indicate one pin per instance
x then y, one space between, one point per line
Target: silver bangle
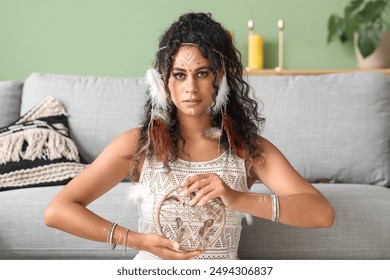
275 208
110 235
125 249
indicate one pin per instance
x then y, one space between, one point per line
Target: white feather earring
222 95
158 94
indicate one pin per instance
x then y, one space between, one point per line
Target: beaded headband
193 45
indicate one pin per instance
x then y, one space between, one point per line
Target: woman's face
190 82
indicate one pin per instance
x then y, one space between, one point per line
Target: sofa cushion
23 234
360 231
37 150
99 108
10 96
334 127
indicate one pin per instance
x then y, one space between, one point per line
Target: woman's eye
179 76
202 74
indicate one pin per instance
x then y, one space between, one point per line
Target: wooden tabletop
269 72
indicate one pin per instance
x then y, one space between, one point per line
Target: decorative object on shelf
193 227
280 48
363 24
255 48
380 58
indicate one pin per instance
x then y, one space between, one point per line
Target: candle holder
280 52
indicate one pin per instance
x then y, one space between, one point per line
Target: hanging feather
158 94
158 114
235 141
138 192
249 219
161 139
222 95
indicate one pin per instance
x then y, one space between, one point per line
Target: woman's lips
192 101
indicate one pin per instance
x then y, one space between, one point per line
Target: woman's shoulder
131 134
126 142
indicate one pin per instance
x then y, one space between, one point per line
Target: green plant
363 17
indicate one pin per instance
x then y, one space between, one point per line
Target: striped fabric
37 150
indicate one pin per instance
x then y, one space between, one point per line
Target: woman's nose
191 85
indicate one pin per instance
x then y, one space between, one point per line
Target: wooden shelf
270 72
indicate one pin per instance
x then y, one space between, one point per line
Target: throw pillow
37 150
10 101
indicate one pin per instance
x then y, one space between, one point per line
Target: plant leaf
352 7
352 26
373 10
334 27
368 39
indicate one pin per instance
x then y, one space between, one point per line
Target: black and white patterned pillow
36 150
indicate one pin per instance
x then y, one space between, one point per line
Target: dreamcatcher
193 227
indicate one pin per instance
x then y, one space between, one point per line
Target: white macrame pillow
36 150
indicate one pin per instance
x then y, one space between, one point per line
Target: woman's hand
162 247
208 187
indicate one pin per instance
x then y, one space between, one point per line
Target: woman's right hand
162 247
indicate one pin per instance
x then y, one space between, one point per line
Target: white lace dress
155 183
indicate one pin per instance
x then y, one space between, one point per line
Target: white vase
380 58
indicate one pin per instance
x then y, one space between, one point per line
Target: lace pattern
156 183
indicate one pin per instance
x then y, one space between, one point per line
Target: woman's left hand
207 187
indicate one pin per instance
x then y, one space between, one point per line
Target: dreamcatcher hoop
193 227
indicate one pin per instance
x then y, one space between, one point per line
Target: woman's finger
201 193
195 178
196 185
167 243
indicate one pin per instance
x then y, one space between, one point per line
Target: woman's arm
300 204
68 210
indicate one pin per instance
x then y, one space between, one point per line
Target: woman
197 148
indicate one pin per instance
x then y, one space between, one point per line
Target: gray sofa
335 130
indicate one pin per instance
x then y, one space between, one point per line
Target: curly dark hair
216 45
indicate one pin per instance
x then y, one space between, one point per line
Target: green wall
119 37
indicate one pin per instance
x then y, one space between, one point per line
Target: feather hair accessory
235 140
158 94
222 95
162 115
163 146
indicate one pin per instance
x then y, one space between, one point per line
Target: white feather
138 192
158 114
222 95
249 219
157 89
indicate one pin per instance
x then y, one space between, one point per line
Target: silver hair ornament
212 133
